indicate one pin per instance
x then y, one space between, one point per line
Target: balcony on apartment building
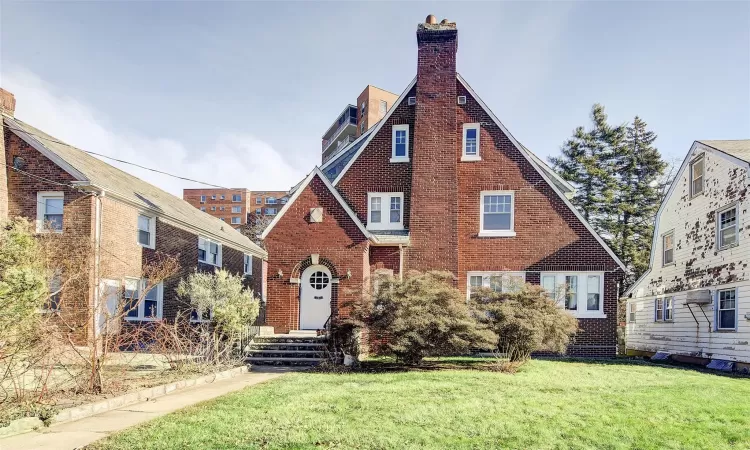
341 133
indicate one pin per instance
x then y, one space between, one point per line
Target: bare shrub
525 321
422 315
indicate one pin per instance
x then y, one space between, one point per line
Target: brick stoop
288 350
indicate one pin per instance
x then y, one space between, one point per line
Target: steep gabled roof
316 172
730 150
91 171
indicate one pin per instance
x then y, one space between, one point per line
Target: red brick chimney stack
433 220
7 106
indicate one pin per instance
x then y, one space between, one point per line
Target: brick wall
337 240
385 258
434 185
193 196
7 106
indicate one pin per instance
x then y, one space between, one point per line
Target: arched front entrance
315 297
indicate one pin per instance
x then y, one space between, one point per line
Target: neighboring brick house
693 303
129 222
438 183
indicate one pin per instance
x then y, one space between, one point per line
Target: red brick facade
120 254
442 206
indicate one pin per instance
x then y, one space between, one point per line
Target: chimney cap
431 19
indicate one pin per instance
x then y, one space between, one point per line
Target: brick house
130 223
438 183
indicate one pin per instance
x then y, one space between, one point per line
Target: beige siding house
694 301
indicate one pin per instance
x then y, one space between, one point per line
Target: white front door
315 298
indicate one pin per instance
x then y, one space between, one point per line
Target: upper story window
221 208
258 201
362 128
580 293
667 245
221 197
726 311
400 143
213 208
248 266
209 252
236 220
471 142
728 228
497 213
385 210
146 231
362 109
236 209
257 211
270 211
697 176
284 200
203 208
270 200
203 199
383 108
497 281
141 301
213 197
236 197
49 212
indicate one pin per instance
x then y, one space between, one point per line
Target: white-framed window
49 212
362 109
726 309
213 197
270 211
270 200
659 310
221 197
236 209
385 210
146 231
497 213
248 264
203 208
203 199
140 304
221 208
236 197
257 211
209 252
664 309
236 220
497 281
205 316
728 227
471 142
383 107
631 312
258 201
55 294
667 246
697 176
213 208
581 293
284 200
400 143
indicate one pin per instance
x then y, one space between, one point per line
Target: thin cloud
236 159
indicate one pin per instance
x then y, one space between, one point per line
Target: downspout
400 262
97 259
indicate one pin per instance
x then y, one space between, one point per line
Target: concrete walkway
73 435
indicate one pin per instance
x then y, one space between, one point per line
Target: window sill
399 159
588 315
726 331
38 231
490 234
469 158
385 229
152 247
142 319
209 264
670 264
728 247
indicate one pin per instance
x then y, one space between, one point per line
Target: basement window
667 245
471 142
496 217
400 143
697 176
385 211
728 228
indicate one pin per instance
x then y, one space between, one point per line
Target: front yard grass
548 404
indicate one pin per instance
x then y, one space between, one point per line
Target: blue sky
240 93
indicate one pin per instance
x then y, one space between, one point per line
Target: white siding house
695 298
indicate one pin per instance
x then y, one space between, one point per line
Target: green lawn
548 404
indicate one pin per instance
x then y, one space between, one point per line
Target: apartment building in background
372 105
267 203
230 205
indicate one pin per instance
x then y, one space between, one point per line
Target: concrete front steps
297 348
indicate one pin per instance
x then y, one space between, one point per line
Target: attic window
400 143
411 101
697 176
471 142
668 248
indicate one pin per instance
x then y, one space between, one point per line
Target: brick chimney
7 107
433 219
